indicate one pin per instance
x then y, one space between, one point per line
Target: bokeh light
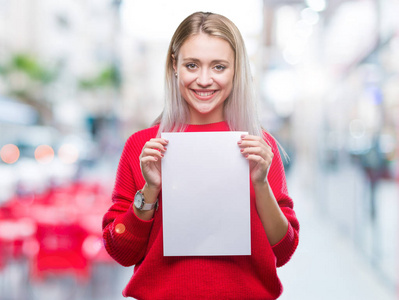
9 153
44 154
310 16
317 5
68 153
92 246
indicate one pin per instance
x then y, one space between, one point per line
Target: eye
191 66
220 68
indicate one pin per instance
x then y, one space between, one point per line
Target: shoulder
277 149
270 140
139 138
150 133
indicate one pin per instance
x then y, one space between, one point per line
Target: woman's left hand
260 156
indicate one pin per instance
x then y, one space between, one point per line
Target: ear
174 63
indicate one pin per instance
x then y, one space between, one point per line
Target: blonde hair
240 110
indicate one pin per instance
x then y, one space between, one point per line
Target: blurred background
77 78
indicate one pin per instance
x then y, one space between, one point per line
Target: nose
204 78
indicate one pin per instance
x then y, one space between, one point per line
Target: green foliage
29 65
108 77
2 70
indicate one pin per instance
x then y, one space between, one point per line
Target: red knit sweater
132 241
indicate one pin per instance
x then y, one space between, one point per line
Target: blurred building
59 86
77 41
330 74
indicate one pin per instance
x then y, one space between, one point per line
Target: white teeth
204 94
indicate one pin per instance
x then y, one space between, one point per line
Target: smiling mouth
204 94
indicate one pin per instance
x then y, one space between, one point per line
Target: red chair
60 252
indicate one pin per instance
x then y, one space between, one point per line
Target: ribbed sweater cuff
137 227
284 248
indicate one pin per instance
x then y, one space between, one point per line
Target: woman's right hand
150 162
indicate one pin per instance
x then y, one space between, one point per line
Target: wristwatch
139 202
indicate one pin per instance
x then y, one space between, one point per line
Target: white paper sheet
205 195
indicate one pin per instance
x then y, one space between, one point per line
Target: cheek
226 81
227 84
185 79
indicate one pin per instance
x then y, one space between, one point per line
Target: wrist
145 202
150 193
261 185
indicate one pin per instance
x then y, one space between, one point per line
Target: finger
154 145
160 140
251 150
261 151
248 143
256 138
249 139
151 152
259 160
148 159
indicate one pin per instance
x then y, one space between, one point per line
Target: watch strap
149 206
146 206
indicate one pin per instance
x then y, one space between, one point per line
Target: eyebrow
196 60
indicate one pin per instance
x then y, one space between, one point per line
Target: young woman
208 88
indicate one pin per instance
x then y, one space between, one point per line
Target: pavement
329 263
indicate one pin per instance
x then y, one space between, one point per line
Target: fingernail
239 142
243 136
242 150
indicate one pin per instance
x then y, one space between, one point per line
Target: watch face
138 200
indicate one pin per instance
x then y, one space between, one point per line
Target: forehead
203 47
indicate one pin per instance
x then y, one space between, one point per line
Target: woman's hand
150 162
260 156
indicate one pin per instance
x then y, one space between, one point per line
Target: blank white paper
205 195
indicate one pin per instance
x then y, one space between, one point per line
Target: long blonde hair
240 107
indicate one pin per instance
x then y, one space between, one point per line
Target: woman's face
205 68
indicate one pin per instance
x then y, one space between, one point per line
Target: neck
202 120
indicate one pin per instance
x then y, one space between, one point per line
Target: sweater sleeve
286 247
125 235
